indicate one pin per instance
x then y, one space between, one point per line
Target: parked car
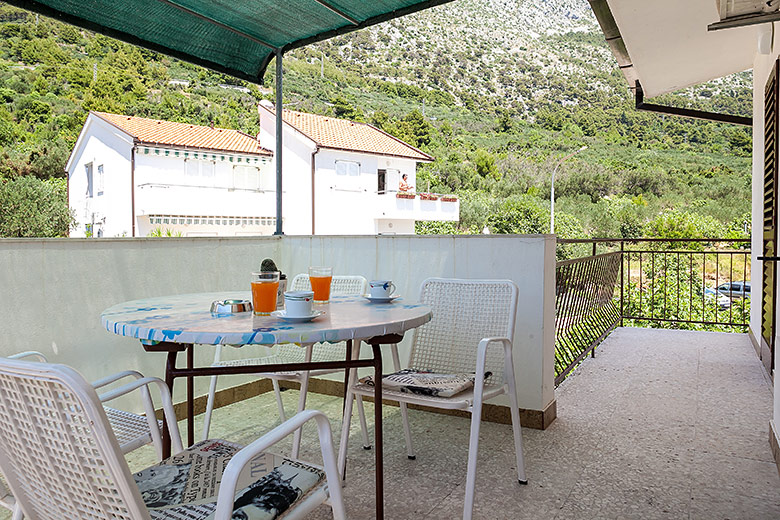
735 289
711 295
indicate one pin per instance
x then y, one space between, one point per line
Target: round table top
187 318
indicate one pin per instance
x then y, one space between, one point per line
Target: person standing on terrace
404 184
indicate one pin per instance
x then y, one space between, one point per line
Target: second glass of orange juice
320 279
264 288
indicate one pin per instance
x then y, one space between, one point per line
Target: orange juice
321 287
264 296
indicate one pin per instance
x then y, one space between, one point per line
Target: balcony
652 427
417 206
660 423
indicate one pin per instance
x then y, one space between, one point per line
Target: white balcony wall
55 290
389 206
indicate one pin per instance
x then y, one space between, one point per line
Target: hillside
496 90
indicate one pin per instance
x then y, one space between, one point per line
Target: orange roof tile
341 134
169 133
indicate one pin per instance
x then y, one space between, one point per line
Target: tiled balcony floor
661 424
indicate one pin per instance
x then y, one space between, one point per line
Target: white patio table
174 324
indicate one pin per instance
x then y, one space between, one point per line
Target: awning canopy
237 37
665 44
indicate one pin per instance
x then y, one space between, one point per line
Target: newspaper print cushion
185 486
423 382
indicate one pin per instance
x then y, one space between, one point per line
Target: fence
695 284
585 307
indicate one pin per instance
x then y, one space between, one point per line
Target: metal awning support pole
278 153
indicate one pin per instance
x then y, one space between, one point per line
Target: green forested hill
496 90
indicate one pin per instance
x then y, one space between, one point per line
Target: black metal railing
693 284
586 310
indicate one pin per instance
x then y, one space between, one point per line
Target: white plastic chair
341 285
131 429
62 460
471 332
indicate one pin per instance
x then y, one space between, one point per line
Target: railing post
594 248
622 280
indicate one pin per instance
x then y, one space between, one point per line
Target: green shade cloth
236 37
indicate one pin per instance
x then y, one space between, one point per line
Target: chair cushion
185 486
423 382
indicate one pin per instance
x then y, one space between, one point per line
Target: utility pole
322 65
94 72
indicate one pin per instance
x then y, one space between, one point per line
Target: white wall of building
175 186
296 161
350 204
762 68
59 301
346 204
104 147
167 186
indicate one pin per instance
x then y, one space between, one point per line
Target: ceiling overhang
666 45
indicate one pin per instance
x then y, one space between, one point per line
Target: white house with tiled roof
343 177
129 176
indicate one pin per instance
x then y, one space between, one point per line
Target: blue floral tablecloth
187 318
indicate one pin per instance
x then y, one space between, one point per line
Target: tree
345 110
415 129
520 215
675 224
30 207
486 164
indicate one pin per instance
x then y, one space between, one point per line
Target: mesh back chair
62 460
471 332
131 429
289 353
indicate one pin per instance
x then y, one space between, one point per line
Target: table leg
347 416
346 377
190 398
170 367
380 468
347 382
302 401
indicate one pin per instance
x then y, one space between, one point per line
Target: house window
246 177
191 168
349 168
100 180
207 169
381 177
90 186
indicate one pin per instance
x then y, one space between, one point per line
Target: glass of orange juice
265 285
320 279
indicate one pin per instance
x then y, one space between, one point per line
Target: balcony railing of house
683 283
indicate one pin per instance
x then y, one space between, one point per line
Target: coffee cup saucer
381 299
282 315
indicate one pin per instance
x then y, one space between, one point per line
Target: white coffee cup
381 288
297 304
